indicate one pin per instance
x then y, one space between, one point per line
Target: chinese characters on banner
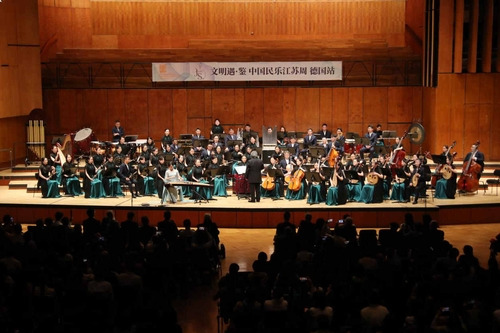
248 71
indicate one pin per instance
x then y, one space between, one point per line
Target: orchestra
322 167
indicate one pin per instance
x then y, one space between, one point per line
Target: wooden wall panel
340 108
375 106
356 109
67 115
239 106
116 107
307 109
96 113
399 105
160 112
223 107
457 115
446 30
179 98
136 111
273 107
254 108
485 117
326 113
289 109
196 105
472 89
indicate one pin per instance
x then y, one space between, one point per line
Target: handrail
10 154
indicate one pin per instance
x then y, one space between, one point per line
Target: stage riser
233 218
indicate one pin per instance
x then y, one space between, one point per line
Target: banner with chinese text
247 71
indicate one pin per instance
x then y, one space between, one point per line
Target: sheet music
240 169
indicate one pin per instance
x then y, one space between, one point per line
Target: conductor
253 175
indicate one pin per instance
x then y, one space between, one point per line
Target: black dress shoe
415 202
251 200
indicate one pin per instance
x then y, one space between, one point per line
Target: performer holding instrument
57 159
71 182
159 175
296 187
145 183
356 179
110 179
170 192
401 182
472 168
373 190
417 184
337 193
46 180
127 176
91 184
370 148
447 185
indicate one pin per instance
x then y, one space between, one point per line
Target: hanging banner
247 71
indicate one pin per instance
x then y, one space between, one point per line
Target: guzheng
186 183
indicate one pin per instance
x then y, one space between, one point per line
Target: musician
242 162
99 158
92 185
219 153
117 132
374 193
118 153
325 133
252 143
167 140
326 146
150 143
253 175
145 183
159 175
145 152
197 174
317 190
247 134
197 136
477 157
337 193
236 154
248 152
402 181
282 136
71 183
379 133
219 180
190 157
372 137
310 139
395 148
278 154
127 176
355 179
297 182
49 186
216 142
217 128
206 154
110 180
170 192
230 137
340 141
154 156
387 173
287 159
125 148
417 185
446 188
175 146
183 168
56 162
293 146
266 189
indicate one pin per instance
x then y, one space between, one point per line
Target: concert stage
26 207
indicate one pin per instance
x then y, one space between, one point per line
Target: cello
296 180
469 179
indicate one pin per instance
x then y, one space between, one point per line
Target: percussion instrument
82 141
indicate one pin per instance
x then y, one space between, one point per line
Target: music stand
439 159
232 143
380 150
200 143
388 134
365 141
129 138
313 177
186 136
327 171
316 152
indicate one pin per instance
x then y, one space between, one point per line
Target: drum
348 148
82 141
241 185
358 148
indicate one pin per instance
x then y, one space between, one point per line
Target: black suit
310 141
254 177
125 172
325 134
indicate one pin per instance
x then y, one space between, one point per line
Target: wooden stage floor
25 207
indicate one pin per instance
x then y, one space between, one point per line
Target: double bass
469 179
398 155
